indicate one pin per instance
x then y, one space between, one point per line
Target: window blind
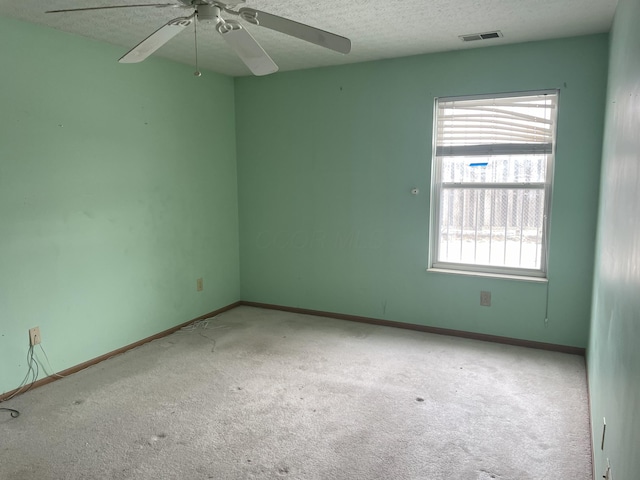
496 126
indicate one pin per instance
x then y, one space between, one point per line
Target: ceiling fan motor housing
208 13
227 3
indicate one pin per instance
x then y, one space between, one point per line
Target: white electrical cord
33 370
57 375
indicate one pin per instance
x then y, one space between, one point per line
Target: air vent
480 36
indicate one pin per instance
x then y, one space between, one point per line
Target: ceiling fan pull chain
195 40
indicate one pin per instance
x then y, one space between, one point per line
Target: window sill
520 278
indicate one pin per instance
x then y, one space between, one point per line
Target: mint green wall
614 347
117 191
326 161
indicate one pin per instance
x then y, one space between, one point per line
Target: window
491 183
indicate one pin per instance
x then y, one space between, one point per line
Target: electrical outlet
199 285
608 475
485 299
34 336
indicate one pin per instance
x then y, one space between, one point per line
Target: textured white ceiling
377 28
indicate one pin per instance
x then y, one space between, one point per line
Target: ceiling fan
233 32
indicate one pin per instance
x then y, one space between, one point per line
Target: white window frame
437 187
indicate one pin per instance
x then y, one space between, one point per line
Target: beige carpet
259 394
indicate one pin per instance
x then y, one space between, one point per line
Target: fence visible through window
502 227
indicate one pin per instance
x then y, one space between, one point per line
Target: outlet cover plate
608 475
485 299
34 336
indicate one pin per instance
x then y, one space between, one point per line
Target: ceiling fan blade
157 39
115 6
296 29
246 47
